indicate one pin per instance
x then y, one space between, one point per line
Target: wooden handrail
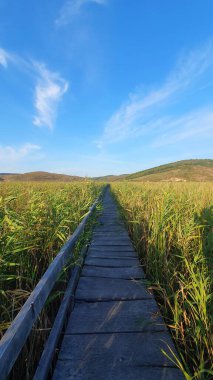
15 337
53 338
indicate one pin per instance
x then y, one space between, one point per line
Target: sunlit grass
172 228
35 221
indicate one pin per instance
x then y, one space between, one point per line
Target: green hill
186 170
110 178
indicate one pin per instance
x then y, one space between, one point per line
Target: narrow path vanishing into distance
115 330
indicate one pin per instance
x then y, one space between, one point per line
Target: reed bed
171 226
35 221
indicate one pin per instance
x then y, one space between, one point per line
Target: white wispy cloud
135 116
48 92
73 8
197 123
10 154
5 57
49 88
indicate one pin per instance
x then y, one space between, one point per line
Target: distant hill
110 178
186 170
39 176
2 174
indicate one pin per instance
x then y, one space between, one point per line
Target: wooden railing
15 337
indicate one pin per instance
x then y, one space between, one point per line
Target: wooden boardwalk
115 330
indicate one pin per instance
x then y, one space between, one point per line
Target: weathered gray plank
126 273
111 234
110 226
110 215
96 353
112 241
108 231
123 231
64 371
112 248
111 254
100 289
115 316
112 262
109 221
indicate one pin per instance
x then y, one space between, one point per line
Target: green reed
171 226
35 221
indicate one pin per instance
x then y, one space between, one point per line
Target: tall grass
172 228
35 221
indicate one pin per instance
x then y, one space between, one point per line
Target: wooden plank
113 223
92 355
126 273
113 237
99 232
102 289
115 316
64 371
106 230
102 244
110 213
110 234
112 248
16 335
112 262
105 241
110 219
114 227
111 254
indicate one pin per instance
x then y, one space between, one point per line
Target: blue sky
95 87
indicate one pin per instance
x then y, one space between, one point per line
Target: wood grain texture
123 273
111 240
115 316
112 248
122 262
64 371
101 289
117 356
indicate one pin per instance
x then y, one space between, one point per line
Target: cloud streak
5 58
48 92
197 123
135 116
49 89
73 8
10 154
